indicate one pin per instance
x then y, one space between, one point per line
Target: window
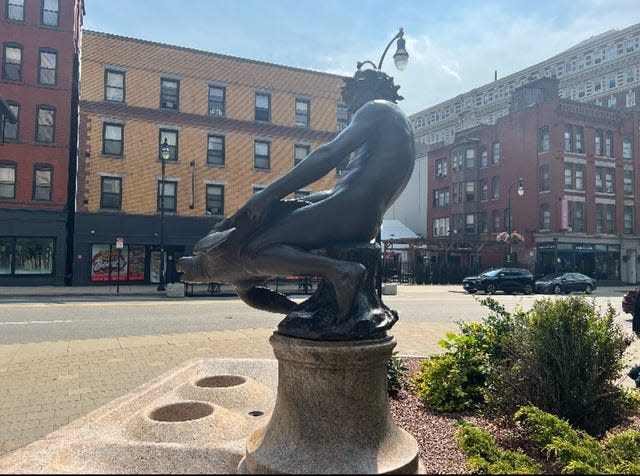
262 155
470 191
495 159
627 148
215 150
441 197
630 99
172 140
470 223
484 190
470 157
568 138
215 200
170 192
544 178
342 116
605 218
169 93
302 112
441 227
15 10
47 67
112 143
628 220
45 131
628 183
263 107
114 85
608 144
42 182
300 152
441 167
483 224
543 140
457 160
495 188
34 256
605 179
575 216
598 142
50 12
111 193
545 217
495 220
11 130
580 139
12 63
484 159
7 181
574 176
612 101
217 97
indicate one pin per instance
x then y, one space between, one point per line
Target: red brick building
40 43
577 164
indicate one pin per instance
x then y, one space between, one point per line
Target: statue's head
367 85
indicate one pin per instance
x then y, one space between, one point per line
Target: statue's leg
345 276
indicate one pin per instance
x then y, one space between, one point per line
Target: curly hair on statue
376 81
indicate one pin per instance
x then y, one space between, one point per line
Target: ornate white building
603 70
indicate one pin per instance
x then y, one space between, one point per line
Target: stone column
332 413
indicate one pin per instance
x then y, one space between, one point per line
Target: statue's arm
324 159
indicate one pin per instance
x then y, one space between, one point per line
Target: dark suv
509 280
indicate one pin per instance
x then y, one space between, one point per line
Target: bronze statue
326 234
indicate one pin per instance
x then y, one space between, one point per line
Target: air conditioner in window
168 104
214 111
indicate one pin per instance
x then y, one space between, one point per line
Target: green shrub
485 457
456 380
396 375
564 358
575 451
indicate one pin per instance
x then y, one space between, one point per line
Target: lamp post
509 193
165 153
401 59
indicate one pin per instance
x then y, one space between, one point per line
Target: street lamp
401 59
165 153
520 193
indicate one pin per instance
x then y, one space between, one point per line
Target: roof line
209 53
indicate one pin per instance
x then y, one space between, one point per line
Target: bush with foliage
562 356
565 358
396 375
456 380
577 452
485 457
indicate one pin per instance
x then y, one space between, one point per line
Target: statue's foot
191 269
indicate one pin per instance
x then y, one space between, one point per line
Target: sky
453 45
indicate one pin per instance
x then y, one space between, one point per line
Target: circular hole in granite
256 413
221 381
185 411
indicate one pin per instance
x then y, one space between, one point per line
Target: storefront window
34 256
109 263
6 255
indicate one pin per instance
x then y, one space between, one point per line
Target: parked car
566 283
509 280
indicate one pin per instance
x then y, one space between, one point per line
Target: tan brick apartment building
232 125
38 81
579 167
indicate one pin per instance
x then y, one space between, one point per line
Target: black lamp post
520 193
401 59
165 153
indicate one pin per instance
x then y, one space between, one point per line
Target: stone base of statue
369 318
331 413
